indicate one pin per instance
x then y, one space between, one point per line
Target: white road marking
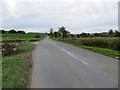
74 56
63 50
53 43
84 62
71 54
87 54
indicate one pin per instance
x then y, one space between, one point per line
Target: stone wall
11 47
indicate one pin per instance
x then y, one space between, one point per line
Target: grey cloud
75 16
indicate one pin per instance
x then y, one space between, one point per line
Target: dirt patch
27 55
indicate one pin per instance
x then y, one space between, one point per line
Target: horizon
56 31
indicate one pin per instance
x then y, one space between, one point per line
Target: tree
78 35
21 32
51 32
117 33
56 34
84 34
59 35
111 33
64 33
96 34
103 35
88 34
2 31
72 35
12 31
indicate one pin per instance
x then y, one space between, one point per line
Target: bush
115 44
37 36
34 40
111 43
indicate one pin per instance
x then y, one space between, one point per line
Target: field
28 36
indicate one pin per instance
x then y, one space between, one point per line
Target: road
59 65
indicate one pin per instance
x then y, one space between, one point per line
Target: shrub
37 36
111 43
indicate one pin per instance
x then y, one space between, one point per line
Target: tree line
63 33
12 31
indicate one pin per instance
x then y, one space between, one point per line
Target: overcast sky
76 15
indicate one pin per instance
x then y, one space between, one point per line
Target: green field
28 35
22 37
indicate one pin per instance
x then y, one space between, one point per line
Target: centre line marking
63 49
73 56
77 58
83 62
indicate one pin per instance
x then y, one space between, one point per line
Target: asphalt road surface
59 65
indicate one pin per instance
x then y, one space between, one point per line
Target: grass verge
104 51
0 71
15 69
26 48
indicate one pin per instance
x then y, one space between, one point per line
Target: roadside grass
14 72
25 48
0 71
104 51
15 69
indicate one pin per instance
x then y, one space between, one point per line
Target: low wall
11 46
